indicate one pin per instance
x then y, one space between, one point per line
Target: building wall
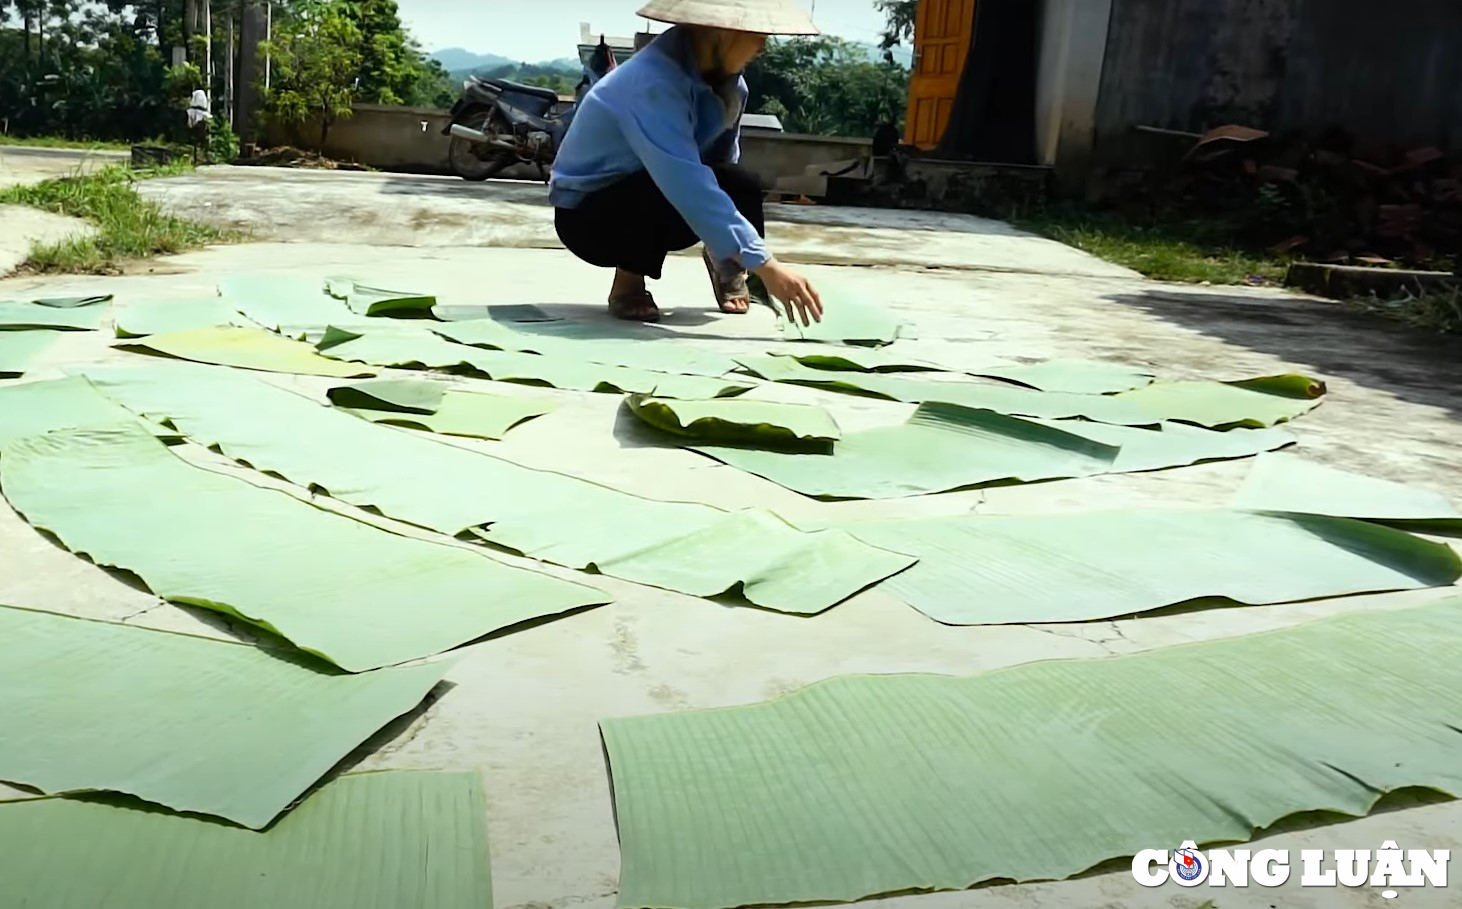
393 138
1388 72
1073 46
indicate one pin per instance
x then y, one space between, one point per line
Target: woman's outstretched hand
795 292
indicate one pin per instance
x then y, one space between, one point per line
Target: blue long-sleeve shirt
656 113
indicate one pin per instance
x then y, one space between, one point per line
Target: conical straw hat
762 17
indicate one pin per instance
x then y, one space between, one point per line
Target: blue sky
536 30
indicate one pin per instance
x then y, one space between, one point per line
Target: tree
433 86
899 16
317 56
389 66
826 86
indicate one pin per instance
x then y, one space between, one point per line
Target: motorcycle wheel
463 155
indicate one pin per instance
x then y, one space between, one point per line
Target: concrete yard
525 705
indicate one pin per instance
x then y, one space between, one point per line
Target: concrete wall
393 138
1389 73
777 155
1073 46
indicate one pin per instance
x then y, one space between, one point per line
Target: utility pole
268 36
230 66
208 48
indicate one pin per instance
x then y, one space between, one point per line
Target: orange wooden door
942 31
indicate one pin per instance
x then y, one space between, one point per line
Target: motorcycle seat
534 91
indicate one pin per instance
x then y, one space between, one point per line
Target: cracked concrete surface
524 707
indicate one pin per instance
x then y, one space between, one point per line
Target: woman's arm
727 149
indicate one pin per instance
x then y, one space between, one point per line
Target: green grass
55 142
1439 311
1187 251
1199 251
128 227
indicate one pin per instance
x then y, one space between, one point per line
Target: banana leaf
1070 376
365 300
396 839
246 730
695 549
294 306
1294 485
945 447
847 318
1261 402
666 353
15 316
347 592
1169 445
247 348
868 785
555 371
34 408
737 420
940 448
1089 377
468 414
20 349
1021 569
419 396
158 317
976 395
73 302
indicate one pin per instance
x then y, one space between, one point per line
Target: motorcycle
498 123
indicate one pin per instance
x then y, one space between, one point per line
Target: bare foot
732 294
630 300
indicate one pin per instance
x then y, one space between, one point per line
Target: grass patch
128 227
1187 251
55 142
1439 311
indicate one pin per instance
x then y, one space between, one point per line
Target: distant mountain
455 58
460 62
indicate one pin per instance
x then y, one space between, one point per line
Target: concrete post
1073 51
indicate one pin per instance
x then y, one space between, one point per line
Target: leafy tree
389 65
826 86
433 86
86 71
317 55
899 18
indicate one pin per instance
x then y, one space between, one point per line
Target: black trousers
632 226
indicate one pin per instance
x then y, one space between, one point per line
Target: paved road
20 164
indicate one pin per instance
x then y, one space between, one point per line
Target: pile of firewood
1324 198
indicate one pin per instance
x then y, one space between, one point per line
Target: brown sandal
635 307
732 294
